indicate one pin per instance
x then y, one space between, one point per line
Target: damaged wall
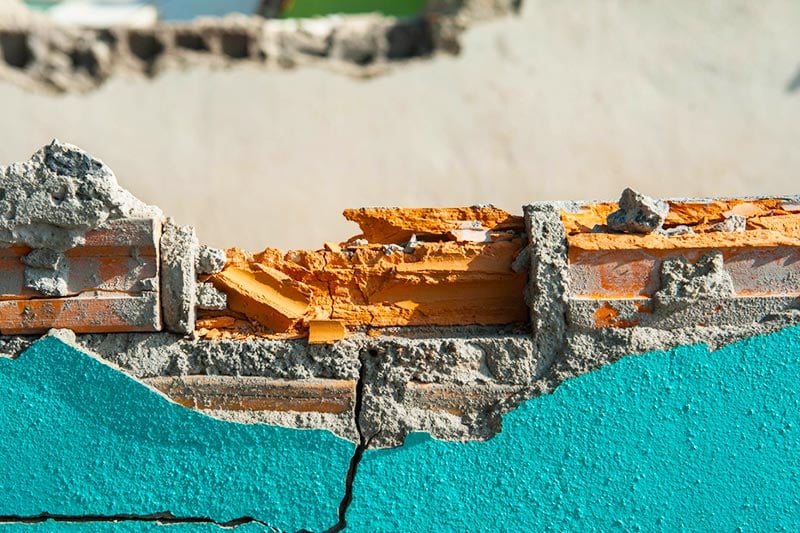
565 100
40 53
662 440
444 321
114 447
684 439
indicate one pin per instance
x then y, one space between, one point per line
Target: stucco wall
569 100
685 439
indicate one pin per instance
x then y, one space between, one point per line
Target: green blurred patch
41 4
318 8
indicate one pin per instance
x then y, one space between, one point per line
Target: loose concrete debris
209 298
40 54
436 320
732 222
637 214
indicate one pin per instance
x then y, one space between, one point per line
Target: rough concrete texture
209 297
454 384
683 282
210 260
638 214
548 282
178 276
731 223
40 54
46 272
55 198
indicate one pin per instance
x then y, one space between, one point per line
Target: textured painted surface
82 438
685 439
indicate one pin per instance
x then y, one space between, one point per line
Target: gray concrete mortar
178 252
548 283
52 200
491 370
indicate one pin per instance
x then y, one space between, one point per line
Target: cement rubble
51 201
637 214
209 298
210 260
454 382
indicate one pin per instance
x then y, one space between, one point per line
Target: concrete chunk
178 277
637 214
208 297
210 260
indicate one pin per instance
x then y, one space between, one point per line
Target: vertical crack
363 444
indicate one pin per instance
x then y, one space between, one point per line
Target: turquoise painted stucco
686 439
681 440
79 437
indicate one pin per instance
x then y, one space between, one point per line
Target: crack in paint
166 518
358 454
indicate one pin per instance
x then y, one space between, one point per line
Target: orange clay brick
250 393
325 331
392 225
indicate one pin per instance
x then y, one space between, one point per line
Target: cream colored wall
569 100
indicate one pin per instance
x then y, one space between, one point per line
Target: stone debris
389 249
210 260
60 194
411 245
731 223
676 231
637 214
209 298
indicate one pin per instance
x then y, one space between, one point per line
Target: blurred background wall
568 100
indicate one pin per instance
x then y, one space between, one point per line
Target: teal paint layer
667 441
79 437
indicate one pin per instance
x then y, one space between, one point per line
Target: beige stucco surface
569 100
